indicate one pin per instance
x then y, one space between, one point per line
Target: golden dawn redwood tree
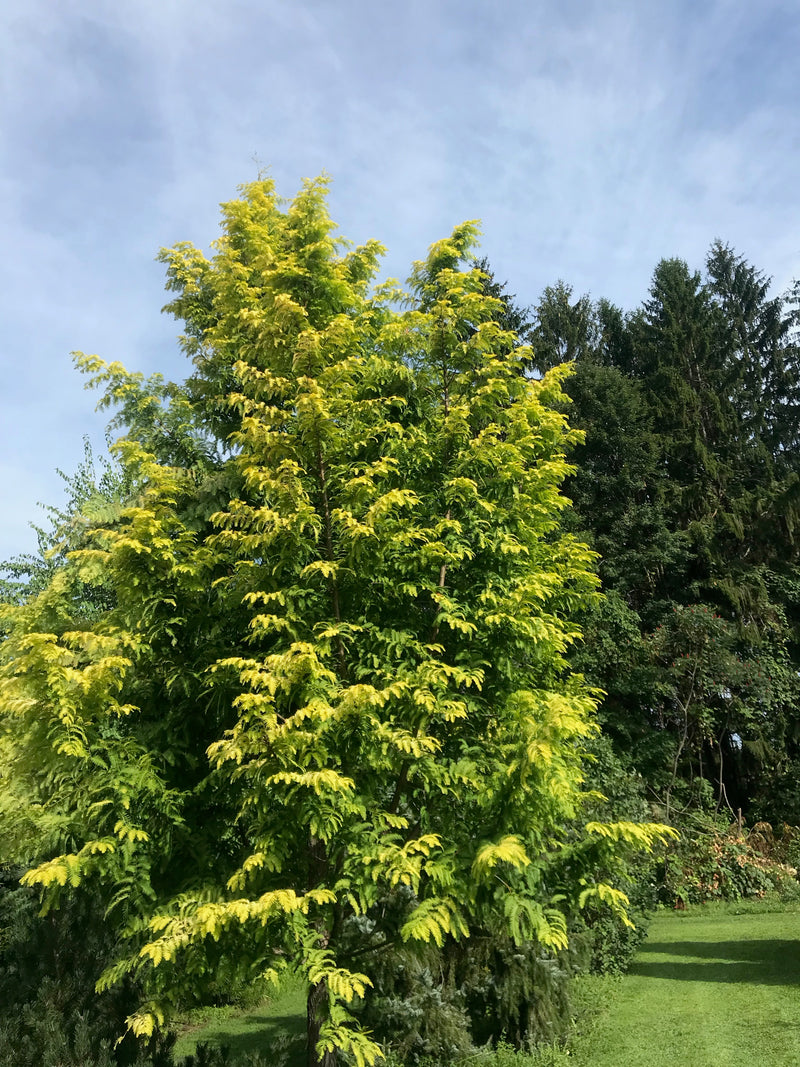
327 667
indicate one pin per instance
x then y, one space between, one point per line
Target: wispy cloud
592 138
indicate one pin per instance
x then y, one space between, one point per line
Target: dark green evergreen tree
686 484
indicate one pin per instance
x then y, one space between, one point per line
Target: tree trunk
316 997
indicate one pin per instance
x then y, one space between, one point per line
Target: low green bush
433 1004
50 1014
713 862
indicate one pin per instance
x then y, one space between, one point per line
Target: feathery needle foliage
330 674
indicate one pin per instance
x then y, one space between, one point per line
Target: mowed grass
710 987
275 1028
707 989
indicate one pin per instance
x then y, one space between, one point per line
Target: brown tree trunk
316 997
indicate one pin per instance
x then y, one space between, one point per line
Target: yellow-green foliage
332 666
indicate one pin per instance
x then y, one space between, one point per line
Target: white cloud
592 137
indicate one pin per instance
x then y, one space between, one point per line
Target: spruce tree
686 484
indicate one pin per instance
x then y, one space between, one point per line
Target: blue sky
591 138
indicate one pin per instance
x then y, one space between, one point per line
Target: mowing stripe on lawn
705 990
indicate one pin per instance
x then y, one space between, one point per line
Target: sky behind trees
591 139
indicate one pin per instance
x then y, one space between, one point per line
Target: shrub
434 1005
50 1015
728 863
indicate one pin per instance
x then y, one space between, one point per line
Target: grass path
263 1029
706 990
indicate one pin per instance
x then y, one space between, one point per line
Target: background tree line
687 486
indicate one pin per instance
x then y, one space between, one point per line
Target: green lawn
707 989
276 1029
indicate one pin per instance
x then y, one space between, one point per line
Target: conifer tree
332 669
686 484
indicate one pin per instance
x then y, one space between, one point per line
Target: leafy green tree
709 693
331 673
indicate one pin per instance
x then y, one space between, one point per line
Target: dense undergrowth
727 862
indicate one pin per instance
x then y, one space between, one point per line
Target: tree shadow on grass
760 962
264 1034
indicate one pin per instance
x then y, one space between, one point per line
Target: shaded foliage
686 484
